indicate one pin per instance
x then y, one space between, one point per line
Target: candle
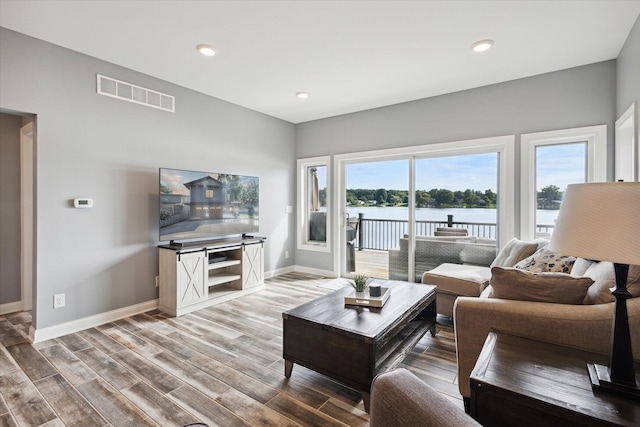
375 290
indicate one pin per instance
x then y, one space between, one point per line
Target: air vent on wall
108 86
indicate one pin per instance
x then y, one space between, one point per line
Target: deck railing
385 234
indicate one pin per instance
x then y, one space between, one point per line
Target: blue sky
558 165
561 165
476 172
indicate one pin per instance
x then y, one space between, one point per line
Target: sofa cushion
478 254
604 279
467 280
446 231
546 261
515 284
514 251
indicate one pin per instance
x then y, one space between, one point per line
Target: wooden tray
367 300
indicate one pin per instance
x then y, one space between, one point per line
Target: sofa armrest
586 327
399 398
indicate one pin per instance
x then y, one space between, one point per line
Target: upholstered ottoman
454 280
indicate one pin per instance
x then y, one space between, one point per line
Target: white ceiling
349 55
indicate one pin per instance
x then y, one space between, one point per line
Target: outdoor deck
372 263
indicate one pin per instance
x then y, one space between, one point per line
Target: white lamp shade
600 221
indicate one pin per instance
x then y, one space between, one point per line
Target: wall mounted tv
199 205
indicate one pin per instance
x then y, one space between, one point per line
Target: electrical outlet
58 301
157 281
286 254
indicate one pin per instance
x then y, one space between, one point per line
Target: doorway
17 187
27 214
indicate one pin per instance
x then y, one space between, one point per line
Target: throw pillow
545 261
604 280
559 288
580 267
514 251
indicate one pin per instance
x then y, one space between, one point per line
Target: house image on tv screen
202 204
207 198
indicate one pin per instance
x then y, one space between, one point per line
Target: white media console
197 275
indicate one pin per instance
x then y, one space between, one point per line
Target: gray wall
88 145
93 146
576 97
10 208
628 69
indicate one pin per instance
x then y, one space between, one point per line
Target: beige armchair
586 327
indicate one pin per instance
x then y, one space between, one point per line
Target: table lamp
601 221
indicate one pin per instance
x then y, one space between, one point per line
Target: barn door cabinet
197 275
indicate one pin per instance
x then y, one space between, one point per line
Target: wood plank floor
221 365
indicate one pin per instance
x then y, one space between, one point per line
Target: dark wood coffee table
352 344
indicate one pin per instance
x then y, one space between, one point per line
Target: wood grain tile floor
221 365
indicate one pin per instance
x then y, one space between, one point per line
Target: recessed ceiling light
302 95
206 50
482 45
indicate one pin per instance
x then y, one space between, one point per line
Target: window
550 162
313 204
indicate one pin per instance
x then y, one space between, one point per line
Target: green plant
360 282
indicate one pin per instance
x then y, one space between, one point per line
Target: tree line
549 197
434 198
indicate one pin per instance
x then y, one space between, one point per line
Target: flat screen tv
201 205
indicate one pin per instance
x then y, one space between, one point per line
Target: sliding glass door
409 210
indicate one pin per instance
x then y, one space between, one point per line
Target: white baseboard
43 334
279 271
11 307
299 269
316 271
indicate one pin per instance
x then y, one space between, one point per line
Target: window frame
627 160
596 139
302 219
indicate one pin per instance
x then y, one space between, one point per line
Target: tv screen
198 205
